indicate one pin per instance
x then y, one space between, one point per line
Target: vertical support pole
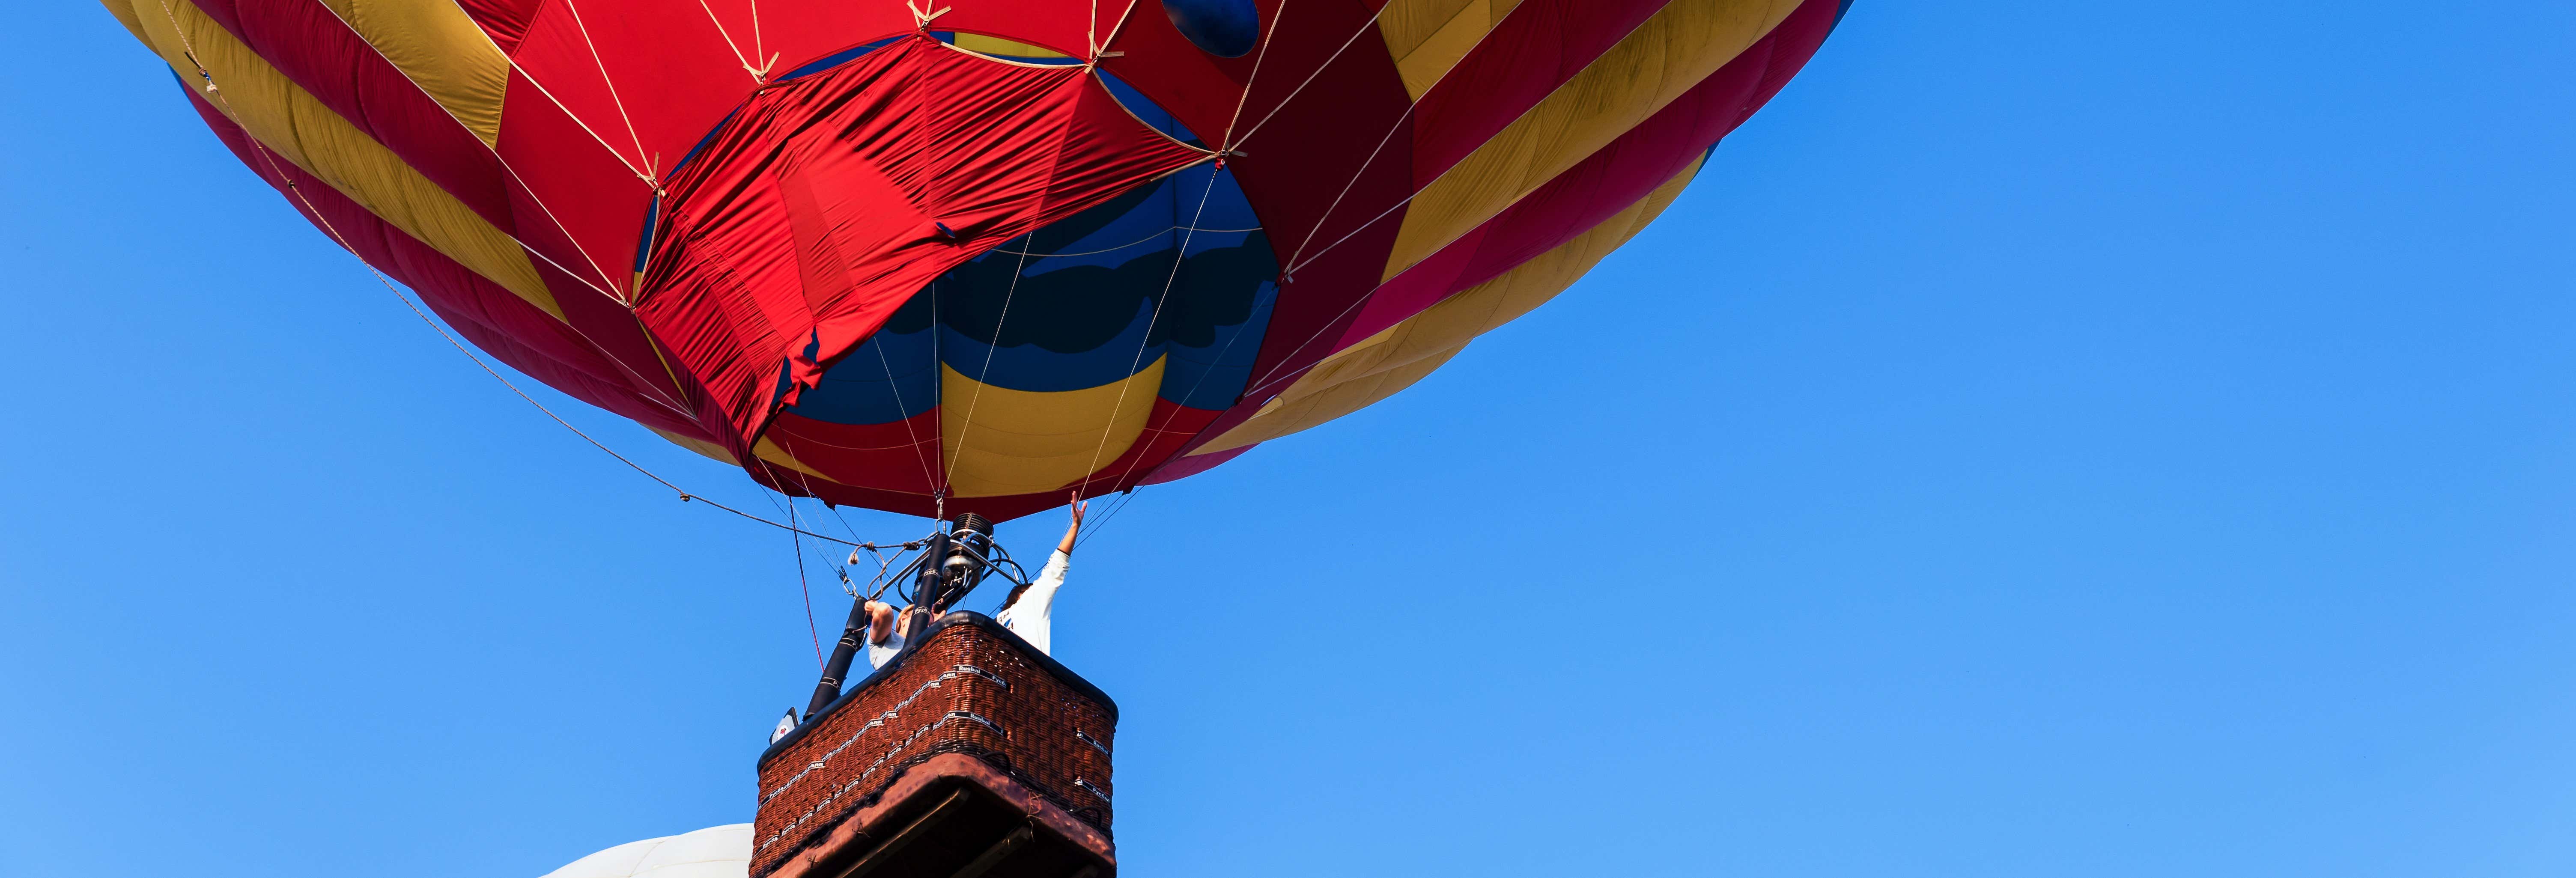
929 587
853 633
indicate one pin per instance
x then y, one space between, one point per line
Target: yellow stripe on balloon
984 45
1022 441
1428 37
441 50
124 13
1322 403
764 449
1677 47
712 451
1377 367
769 451
299 128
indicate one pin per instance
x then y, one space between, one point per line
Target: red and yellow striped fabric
989 252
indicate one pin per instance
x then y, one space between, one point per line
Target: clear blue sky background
2053 439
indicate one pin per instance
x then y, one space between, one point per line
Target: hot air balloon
970 258
980 254
713 852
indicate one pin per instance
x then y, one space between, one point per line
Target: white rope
757 50
1179 256
1295 262
731 46
1225 143
966 434
1100 49
938 399
928 478
650 174
1346 189
796 547
1125 498
1263 383
1225 147
1156 234
505 162
268 157
1310 77
659 394
584 123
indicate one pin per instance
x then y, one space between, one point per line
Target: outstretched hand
1074 529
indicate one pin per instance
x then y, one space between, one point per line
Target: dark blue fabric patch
1085 302
1224 28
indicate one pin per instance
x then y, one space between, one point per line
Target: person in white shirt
1028 609
885 633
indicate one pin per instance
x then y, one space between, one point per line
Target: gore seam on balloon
643 383
334 231
1157 234
1225 147
966 433
927 477
1310 77
1091 472
648 174
1296 263
759 74
1101 49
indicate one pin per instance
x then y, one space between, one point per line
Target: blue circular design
1224 28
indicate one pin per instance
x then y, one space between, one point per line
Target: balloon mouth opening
984 322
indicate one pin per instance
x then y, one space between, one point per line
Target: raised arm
1072 530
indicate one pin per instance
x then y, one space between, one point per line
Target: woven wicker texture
967 689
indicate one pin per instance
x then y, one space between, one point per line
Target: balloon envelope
879 260
713 852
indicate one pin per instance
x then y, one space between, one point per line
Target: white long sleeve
1031 617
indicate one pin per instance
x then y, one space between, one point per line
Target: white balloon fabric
713 852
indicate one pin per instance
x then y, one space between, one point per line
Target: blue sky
2051 439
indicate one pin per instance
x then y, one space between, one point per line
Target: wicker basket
969 753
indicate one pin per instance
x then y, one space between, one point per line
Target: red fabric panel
901 456
505 20
890 459
796 484
307 41
1168 428
577 204
1539 46
479 311
1603 184
787 481
1190 466
608 394
818 210
784 234
313 46
1608 181
650 77
1316 171
607 326
678 64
